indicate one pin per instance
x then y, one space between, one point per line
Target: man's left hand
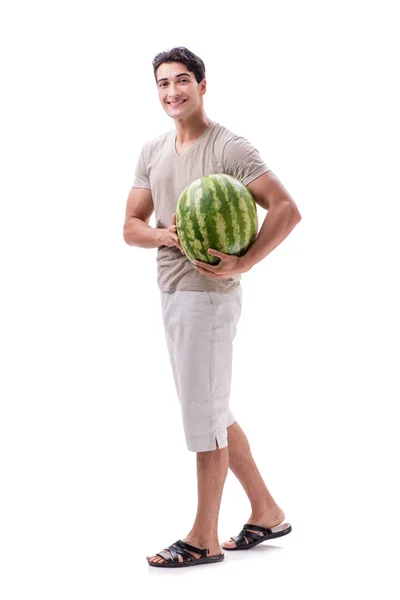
229 266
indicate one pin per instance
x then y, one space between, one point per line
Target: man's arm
282 216
137 231
139 208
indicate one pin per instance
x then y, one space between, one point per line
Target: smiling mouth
175 104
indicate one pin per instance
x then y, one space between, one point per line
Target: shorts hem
205 443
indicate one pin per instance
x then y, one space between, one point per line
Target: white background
95 473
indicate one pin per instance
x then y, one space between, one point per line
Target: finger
205 266
217 253
174 218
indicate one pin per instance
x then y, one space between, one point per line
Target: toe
154 559
229 544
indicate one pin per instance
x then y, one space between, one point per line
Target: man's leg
212 468
264 510
200 328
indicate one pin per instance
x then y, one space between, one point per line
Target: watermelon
216 211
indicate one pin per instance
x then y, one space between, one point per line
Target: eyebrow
166 78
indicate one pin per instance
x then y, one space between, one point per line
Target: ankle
268 510
200 538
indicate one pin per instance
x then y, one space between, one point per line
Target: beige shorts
200 328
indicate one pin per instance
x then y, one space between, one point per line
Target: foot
267 519
213 548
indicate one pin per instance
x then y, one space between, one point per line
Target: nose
173 92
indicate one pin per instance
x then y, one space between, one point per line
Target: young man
201 304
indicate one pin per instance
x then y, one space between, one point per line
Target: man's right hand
170 236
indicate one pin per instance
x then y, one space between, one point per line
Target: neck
191 128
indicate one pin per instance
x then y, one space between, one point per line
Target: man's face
178 91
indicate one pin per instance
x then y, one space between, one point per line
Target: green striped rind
216 211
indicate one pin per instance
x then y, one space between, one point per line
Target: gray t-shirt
166 173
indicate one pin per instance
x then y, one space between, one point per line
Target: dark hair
182 55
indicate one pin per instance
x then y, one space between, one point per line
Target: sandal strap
202 551
181 548
164 554
265 530
250 535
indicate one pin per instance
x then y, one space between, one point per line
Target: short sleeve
141 173
241 160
